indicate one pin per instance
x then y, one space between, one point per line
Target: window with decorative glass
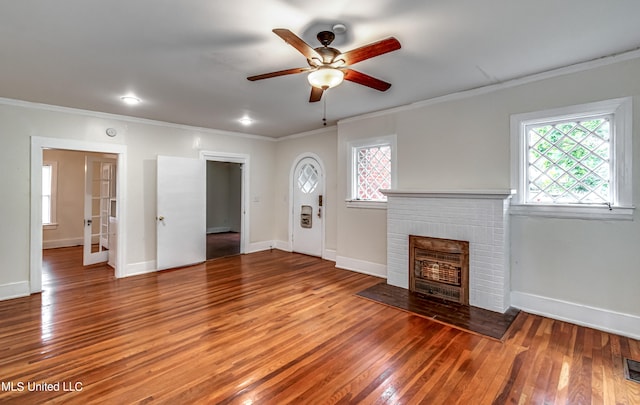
373 172
574 158
372 168
307 178
569 162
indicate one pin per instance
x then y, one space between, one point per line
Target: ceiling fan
328 67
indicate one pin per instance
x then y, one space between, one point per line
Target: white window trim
54 195
390 140
621 207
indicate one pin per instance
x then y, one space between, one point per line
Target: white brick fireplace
479 217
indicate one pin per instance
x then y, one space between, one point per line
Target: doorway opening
113 205
79 199
227 203
224 208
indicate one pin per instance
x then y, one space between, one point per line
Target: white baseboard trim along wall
361 266
136 269
59 243
596 318
282 245
218 229
260 246
328 254
14 290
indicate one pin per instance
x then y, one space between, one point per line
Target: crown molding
308 133
575 68
127 118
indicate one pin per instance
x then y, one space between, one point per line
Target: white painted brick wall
483 222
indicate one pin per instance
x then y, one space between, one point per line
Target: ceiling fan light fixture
325 77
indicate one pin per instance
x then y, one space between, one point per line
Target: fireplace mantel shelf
480 194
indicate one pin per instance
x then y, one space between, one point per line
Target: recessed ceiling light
245 120
130 100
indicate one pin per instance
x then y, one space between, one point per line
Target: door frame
292 190
37 146
243 160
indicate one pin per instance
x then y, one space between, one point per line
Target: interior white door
308 183
97 199
181 212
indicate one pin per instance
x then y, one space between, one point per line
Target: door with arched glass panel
308 215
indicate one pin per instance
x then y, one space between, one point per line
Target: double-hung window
372 168
574 162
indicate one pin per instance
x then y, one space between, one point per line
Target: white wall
572 269
145 140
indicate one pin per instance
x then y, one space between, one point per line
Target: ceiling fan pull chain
324 114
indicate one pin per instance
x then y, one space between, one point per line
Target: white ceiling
188 60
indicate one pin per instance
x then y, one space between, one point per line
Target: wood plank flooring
279 328
222 244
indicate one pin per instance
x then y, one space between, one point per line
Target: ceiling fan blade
369 51
297 42
316 94
278 73
365 80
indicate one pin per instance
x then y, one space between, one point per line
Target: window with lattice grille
574 161
372 164
373 172
308 178
570 161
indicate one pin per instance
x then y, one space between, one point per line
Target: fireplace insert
439 268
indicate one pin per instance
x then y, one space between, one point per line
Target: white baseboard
596 318
260 246
219 229
14 290
362 266
136 269
330 254
282 245
60 243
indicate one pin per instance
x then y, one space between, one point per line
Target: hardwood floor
277 328
222 244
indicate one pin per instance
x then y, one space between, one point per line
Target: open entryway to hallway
224 208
